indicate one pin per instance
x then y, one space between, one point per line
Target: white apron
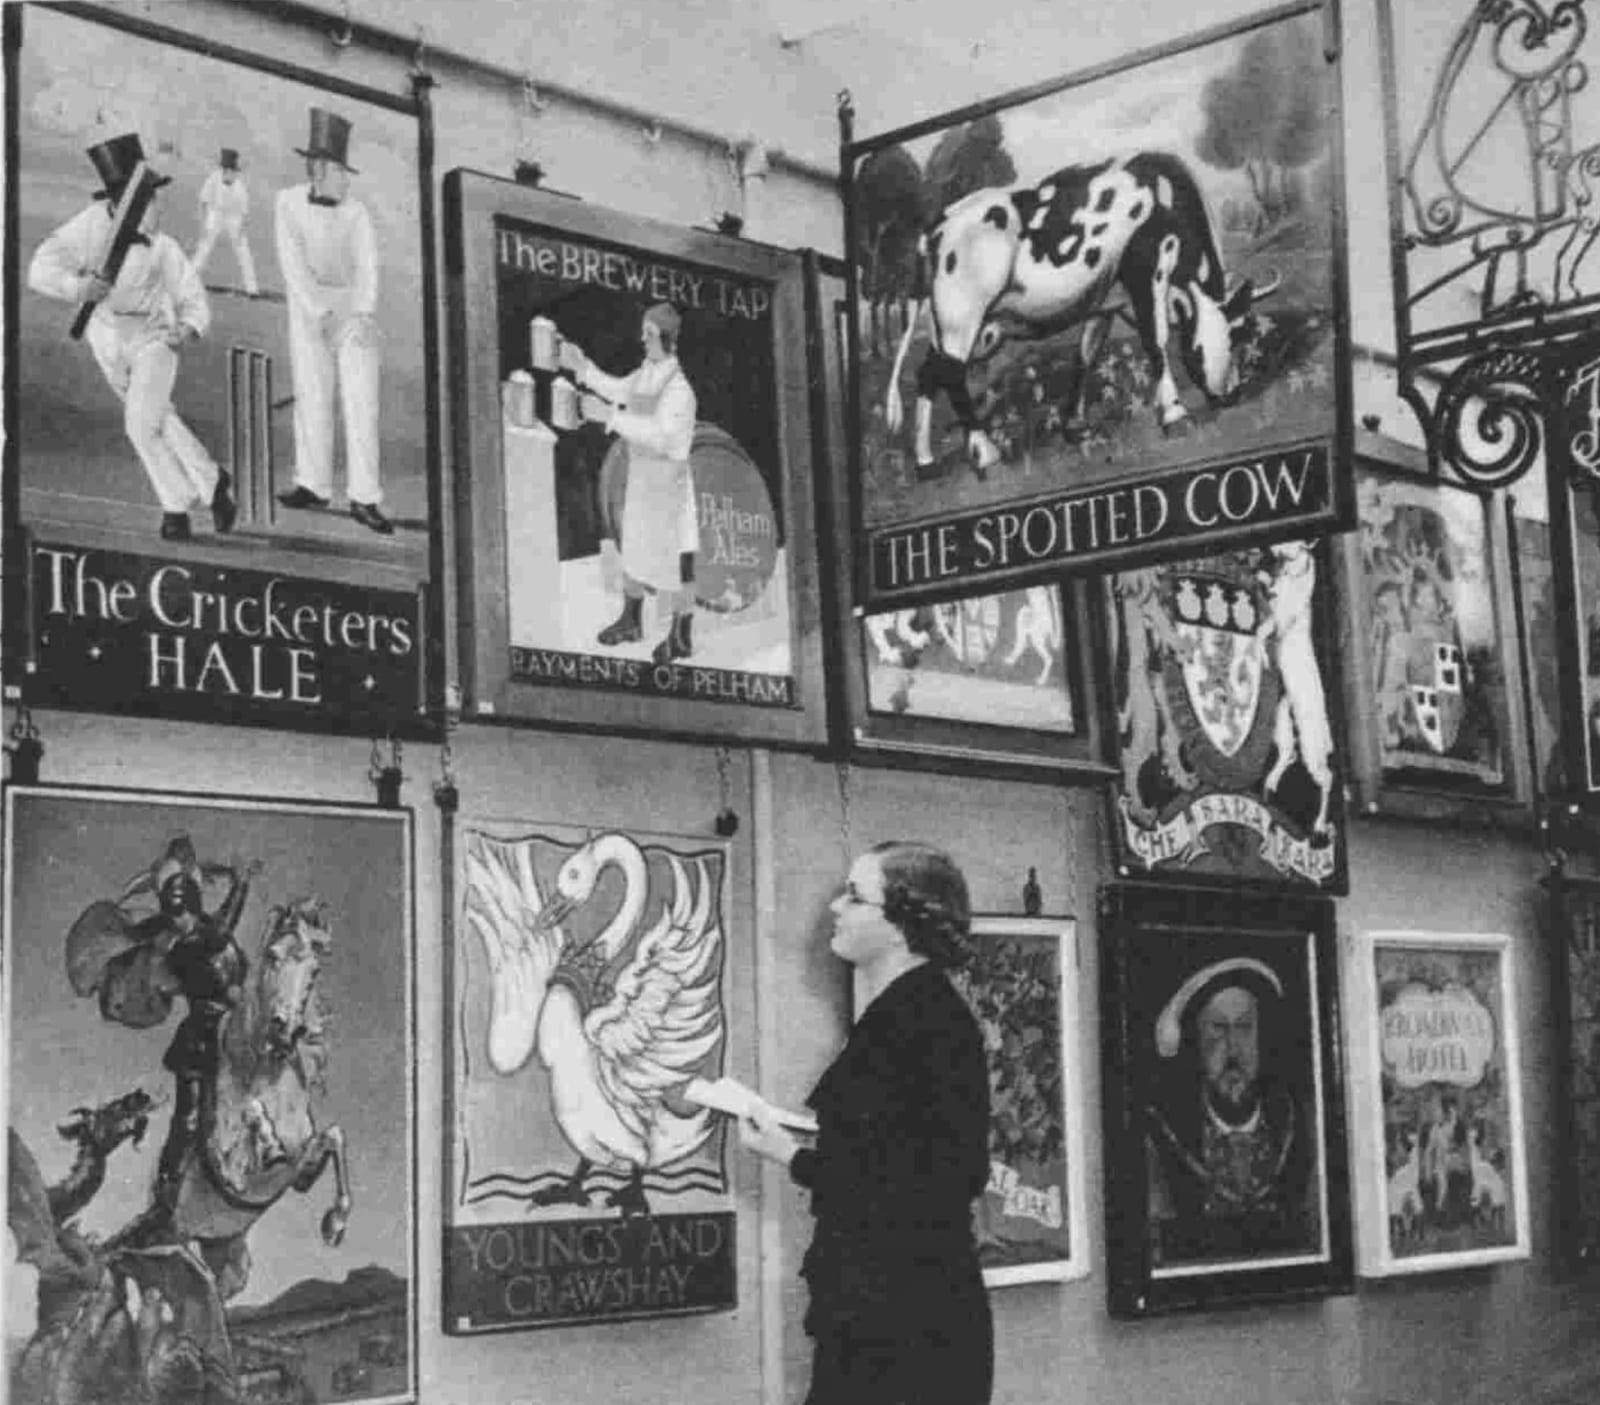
659 522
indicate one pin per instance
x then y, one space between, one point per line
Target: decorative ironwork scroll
1494 228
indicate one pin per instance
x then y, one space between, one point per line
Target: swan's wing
502 900
665 1015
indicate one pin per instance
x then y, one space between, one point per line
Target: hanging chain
841 771
727 821
446 794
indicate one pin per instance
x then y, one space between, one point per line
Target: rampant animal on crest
619 1050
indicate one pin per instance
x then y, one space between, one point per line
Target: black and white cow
1027 262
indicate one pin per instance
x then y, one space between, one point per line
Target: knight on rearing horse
138 966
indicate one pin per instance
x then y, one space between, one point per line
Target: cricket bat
125 220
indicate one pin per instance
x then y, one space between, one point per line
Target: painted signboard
1442 1173
587 998
1100 320
1022 985
1230 760
634 468
246 383
1224 1112
210 1174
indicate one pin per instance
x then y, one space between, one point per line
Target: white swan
617 1058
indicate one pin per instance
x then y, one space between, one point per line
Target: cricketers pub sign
114 631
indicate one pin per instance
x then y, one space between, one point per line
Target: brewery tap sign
159 637
219 381
633 455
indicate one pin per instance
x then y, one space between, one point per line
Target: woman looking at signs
898 1310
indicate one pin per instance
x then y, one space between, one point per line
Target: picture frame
1225 720
1187 1225
296 905
1575 544
1571 908
734 654
1022 984
1436 1125
272 554
1433 678
1036 434
999 681
559 937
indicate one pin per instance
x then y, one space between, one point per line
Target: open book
737 1099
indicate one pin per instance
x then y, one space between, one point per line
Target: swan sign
585 1184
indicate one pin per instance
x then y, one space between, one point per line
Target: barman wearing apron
653 412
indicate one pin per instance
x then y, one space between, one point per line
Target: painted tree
888 207
1267 117
966 158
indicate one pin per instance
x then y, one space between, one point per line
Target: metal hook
387 780
419 66
652 133
26 750
530 95
342 33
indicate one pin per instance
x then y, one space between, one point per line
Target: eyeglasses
852 895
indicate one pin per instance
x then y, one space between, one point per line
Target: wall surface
713 75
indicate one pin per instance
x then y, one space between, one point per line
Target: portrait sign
1023 987
1230 761
203 1160
1441 1178
1101 321
1225 1162
586 1183
1431 649
222 464
633 465
1572 906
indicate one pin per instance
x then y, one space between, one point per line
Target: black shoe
302 496
224 509
678 643
369 514
175 527
627 627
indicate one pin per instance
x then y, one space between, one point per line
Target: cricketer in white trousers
156 292
329 258
223 207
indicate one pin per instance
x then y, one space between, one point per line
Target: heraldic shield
1440 704
1218 673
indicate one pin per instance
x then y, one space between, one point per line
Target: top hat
229 159
115 161
330 138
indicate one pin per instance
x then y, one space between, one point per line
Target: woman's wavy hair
925 896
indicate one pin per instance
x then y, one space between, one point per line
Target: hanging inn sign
1102 321
1494 141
